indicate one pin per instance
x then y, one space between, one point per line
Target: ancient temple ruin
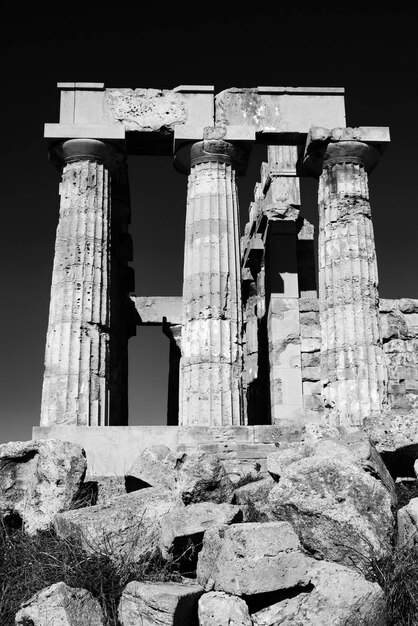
257 348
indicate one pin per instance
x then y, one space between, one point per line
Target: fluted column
352 365
211 364
77 379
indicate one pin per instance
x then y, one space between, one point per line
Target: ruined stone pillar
78 384
352 365
211 364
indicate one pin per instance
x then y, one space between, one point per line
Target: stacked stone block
311 353
399 326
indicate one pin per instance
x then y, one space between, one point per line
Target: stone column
77 380
211 365
352 364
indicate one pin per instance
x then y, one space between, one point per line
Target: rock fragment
61 605
39 479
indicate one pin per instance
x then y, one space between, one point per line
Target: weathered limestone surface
146 110
152 309
39 479
352 361
195 476
280 109
125 529
253 499
399 327
155 466
340 596
245 559
184 523
394 430
61 605
211 365
220 609
408 524
77 384
341 512
159 604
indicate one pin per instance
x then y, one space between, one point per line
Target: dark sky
371 52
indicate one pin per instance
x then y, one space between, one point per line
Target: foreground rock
340 596
408 524
245 559
39 479
142 522
196 476
340 511
60 605
320 440
220 609
393 430
253 498
155 467
184 523
125 529
162 604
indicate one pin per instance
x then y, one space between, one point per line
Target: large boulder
39 479
252 558
196 476
142 522
155 467
408 524
162 604
125 529
182 524
217 608
340 511
253 499
60 605
317 440
340 596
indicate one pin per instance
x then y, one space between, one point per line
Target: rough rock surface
393 430
252 558
202 477
196 476
147 109
155 466
60 605
253 499
159 604
126 528
408 524
340 597
220 609
184 522
317 439
340 512
38 479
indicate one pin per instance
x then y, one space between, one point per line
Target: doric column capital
325 148
85 149
212 148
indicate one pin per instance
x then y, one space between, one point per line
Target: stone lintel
156 310
288 112
301 90
264 114
56 132
195 89
69 86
